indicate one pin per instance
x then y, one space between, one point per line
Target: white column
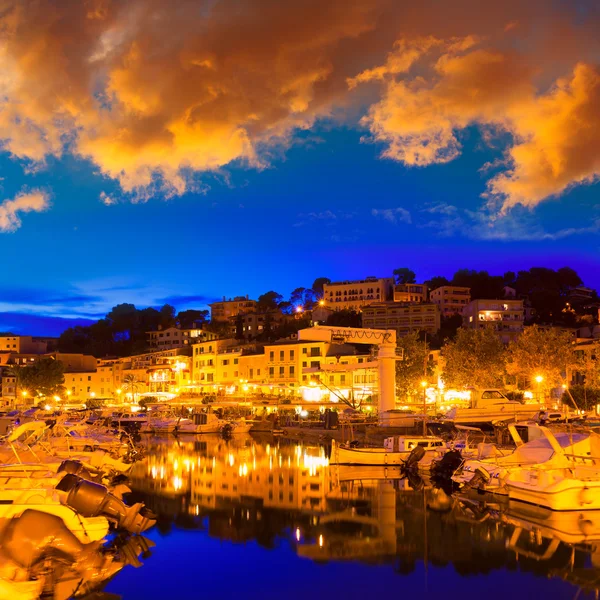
387 380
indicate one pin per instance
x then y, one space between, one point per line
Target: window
281 371
292 371
235 361
304 350
315 364
225 362
281 354
272 355
304 364
251 373
292 354
89 377
271 371
315 351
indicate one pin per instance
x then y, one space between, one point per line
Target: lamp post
539 380
424 386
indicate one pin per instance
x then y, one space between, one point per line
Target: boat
162 422
570 482
544 450
395 450
201 423
492 407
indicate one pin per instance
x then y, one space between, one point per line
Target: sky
182 151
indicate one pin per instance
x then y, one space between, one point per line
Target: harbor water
265 518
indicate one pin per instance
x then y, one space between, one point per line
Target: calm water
259 519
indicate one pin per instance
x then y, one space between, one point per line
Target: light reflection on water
293 511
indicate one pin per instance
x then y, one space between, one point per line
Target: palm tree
130 382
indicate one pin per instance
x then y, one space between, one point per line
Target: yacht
491 406
201 423
544 450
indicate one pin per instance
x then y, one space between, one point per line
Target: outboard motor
74 467
479 480
227 430
415 456
447 465
93 500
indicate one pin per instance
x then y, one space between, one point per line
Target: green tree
482 284
436 282
317 286
190 319
412 368
545 352
167 316
404 275
345 318
45 376
269 301
476 358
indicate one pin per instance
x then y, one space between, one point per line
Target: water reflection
244 489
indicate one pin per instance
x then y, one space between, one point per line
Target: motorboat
202 423
163 422
570 482
544 450
395 450
491 406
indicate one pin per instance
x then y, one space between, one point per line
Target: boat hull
342 455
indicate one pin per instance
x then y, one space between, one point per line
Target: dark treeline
124 329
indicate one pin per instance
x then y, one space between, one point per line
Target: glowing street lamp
539 380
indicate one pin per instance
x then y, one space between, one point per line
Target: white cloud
107 200
393 215
24 202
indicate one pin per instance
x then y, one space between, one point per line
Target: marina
176 505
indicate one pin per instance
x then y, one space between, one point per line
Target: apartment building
249 326
225 309
504 316
175 337
22 344
410 292
353 295
451 299
404 318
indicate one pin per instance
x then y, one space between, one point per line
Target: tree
45 376
303 297
269 301
167 316
404 275
545 352
412 368
482 284
436 282
345 318
317 286
476 358
190 319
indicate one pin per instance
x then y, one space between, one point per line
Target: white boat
395 451
545 450
570 481
239 426
201 423
491 406
161 422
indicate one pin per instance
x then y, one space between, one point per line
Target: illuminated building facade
353 295
174 337
221 312
410 292
404 318
504 316
451 299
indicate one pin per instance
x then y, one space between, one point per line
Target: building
221 312
175 337
353 295
410 292
451 299
249 326
505 316
404 318
22 344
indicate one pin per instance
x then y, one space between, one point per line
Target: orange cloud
153 92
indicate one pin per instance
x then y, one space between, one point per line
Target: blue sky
309 214
149 155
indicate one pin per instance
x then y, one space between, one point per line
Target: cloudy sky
156 150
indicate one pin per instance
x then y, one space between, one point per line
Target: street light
539 380
424 386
